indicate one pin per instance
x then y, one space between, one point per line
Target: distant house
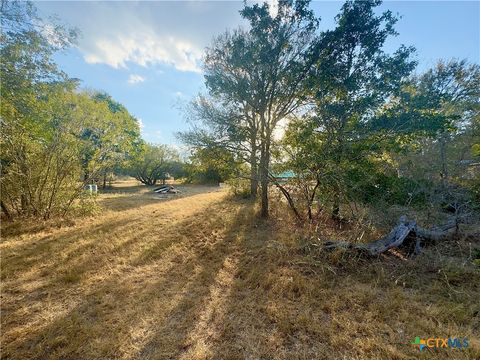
285 176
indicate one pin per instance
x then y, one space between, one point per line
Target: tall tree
110 139
438 108
32 139
350 84
262 70
44 120
451 92
442 110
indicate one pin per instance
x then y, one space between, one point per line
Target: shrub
239 187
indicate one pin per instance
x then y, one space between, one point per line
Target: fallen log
405 229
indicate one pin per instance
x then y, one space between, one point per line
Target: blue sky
147 55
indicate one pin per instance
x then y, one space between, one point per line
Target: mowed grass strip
199 277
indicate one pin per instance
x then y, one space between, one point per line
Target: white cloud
144 49
135 79
178 94
123 34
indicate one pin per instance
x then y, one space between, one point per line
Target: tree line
351 121
347 120
56 137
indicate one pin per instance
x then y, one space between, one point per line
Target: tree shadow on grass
145 310
203 297
61 249
268 313
23 256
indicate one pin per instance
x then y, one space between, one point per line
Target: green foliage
111 136
334 146
445 102
371 188
86 205
239 187
51 134
255 78
154 163
212 166
360 127
40 159
476 257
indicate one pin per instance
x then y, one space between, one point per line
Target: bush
370 188
239 187
86 205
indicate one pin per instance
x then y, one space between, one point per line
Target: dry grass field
197 276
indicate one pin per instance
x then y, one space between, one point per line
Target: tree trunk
443 159
311 199
264 163
336 206
290 201
253 174
254 186
264 199
104 186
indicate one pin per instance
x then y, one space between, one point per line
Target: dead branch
397 236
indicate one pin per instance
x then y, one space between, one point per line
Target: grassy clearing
198 276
